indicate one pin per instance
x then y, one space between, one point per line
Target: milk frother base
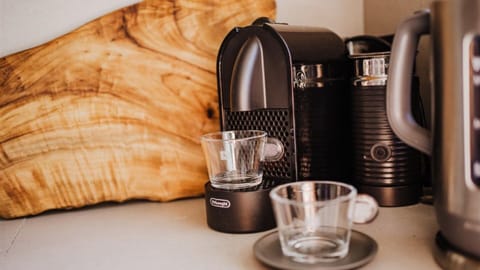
239 211
391 196
449 257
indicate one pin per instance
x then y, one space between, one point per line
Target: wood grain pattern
114 110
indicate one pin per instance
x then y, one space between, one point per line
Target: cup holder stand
240 211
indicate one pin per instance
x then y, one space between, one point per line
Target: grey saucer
362 250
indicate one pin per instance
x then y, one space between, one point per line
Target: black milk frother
383 165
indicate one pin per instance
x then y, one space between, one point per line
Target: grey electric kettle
454 143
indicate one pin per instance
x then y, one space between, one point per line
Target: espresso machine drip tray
449 257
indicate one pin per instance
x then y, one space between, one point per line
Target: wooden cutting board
114 110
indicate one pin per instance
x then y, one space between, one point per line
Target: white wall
345 17
28 23
377 23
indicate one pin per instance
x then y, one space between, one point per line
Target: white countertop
174 235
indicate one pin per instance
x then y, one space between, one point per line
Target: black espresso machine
289 81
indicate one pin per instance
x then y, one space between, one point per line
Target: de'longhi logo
220 203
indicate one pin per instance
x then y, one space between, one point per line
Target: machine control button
380 152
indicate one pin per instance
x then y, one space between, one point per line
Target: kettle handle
399 83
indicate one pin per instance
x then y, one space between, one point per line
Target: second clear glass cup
314 218
234 158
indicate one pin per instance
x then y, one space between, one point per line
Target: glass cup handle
366 209
274 149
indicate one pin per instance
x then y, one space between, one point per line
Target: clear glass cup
234 158
314 218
